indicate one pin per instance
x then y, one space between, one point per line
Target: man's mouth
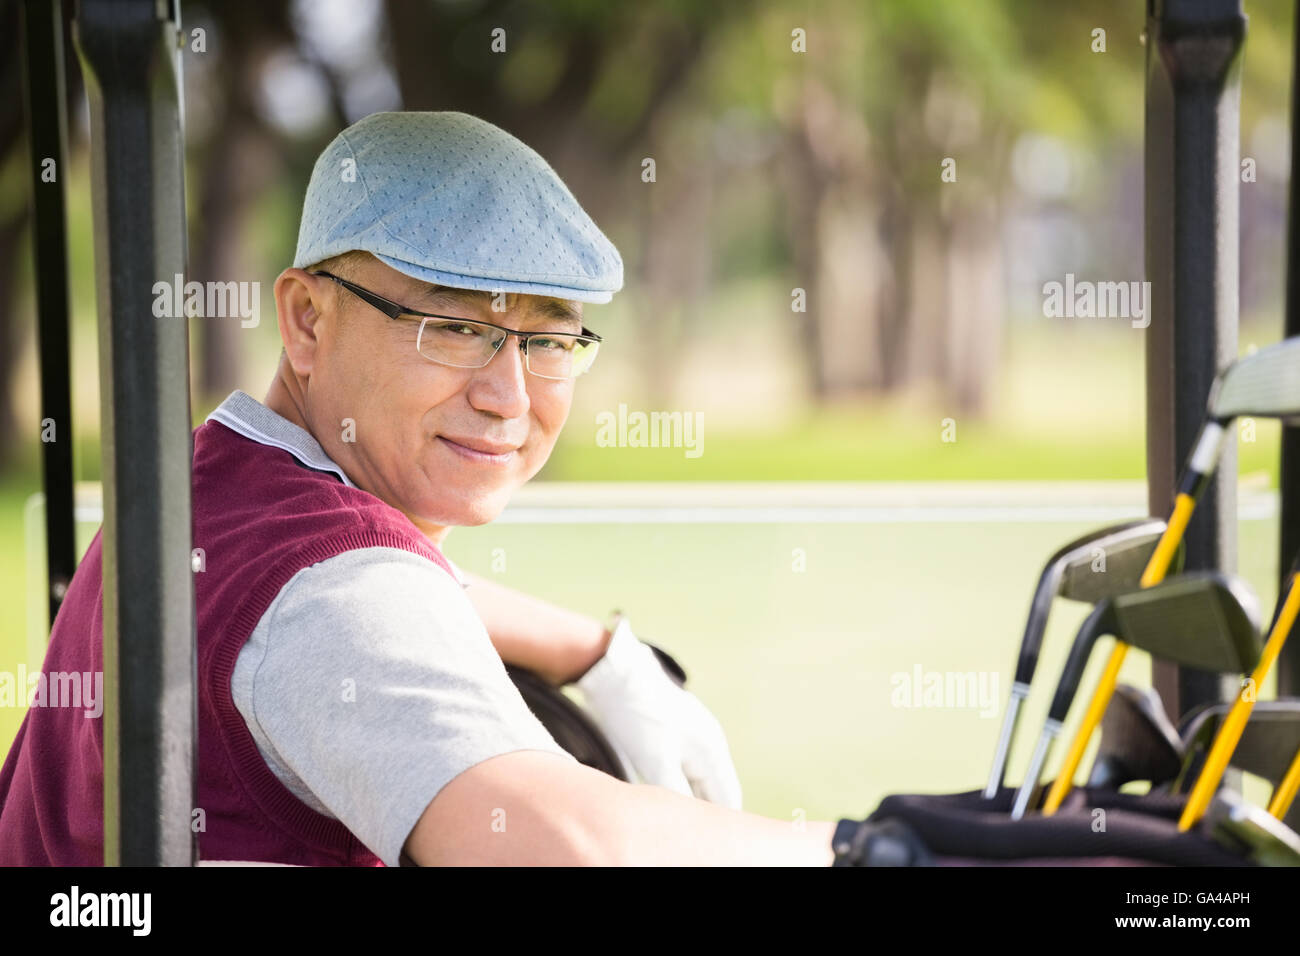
473 449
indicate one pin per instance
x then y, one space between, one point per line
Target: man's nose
501 386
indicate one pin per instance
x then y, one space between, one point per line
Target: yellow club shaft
1154 573
1285 793
1096 709
1225 741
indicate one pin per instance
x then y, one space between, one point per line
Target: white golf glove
660 730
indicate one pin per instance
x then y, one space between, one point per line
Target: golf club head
1203 619
1268 744
1250 829
1103 566
1265 383
1099 564
1138 741
1089 568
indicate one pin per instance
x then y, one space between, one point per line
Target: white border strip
1256 511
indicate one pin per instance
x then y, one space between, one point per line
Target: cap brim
495 283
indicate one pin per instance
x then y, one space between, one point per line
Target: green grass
22 591
802 667
851 445
13 579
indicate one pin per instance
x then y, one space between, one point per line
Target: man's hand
661 730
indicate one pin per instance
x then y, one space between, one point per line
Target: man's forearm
564 814
559 644
662 828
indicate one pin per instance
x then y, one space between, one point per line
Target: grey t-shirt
370 681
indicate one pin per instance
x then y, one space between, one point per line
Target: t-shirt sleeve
379 685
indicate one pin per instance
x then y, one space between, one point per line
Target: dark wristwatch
882 843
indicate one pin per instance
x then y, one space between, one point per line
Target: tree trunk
976 306
11 332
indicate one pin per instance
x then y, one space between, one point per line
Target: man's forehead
439 296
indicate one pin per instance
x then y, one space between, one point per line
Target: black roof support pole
46 123
1193 98
1288 663
130 58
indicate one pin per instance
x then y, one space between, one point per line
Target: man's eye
461 329
549 345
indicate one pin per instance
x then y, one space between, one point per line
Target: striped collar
249 417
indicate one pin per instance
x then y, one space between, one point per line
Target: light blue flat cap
450 199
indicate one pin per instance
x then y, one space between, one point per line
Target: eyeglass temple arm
390 309
393 310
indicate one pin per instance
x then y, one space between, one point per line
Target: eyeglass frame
393 310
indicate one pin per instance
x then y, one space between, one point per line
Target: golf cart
131 56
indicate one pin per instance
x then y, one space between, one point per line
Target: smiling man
354 706
446 433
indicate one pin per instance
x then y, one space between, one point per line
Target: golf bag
1094 827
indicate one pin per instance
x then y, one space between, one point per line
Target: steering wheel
569 724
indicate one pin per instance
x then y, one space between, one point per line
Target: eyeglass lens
469 345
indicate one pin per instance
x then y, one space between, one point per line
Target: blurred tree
898 124
232 161
14 213
15 205
822 167
235 155
596 89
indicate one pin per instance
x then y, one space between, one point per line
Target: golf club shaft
1286 790
1050 731
1225 742
1161 558
1018 693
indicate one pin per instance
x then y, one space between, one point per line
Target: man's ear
299 300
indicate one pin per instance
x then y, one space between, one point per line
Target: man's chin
476 518
469 514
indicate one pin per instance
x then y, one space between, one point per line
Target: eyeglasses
466 343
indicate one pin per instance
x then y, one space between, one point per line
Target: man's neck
285 402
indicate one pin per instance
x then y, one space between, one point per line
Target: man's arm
558 644
662 732
531 808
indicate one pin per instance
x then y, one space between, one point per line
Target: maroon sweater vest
260 516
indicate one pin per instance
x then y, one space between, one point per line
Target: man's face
446 446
